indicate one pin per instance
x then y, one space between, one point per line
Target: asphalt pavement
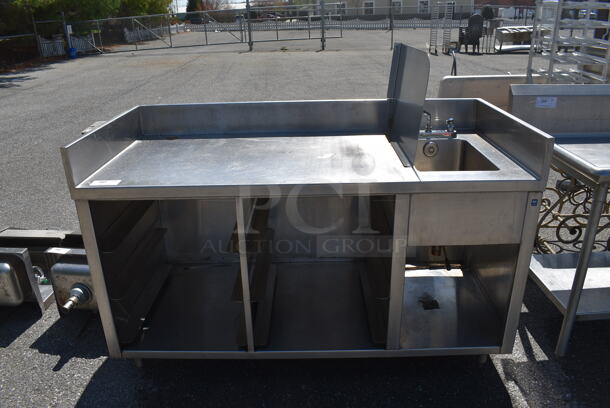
47 361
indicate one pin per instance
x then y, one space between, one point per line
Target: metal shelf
465 317
578 41
319 306
581 5
554 274
196 311
567 23
585 67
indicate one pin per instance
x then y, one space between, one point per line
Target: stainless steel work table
577 116
579 283
208 181
310 228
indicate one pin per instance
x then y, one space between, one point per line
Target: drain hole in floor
428 302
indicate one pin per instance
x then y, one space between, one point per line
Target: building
376 7
505 3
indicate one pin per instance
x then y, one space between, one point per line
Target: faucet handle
451 127
428 121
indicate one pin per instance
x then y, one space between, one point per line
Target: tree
92 9
16 15
73 9
142 7
203 5
13 18
192 5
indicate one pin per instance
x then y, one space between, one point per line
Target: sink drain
428 302
430 149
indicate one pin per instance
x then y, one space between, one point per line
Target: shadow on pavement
16 75
581 377
77 335
16 320
448 381
12 81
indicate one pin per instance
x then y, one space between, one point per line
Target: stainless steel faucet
451 128
450 132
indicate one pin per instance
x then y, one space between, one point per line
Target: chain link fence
249 26
15 49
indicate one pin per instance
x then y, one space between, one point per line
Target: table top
586 153
254 161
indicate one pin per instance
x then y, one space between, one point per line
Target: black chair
471 34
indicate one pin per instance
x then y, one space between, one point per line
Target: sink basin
436 154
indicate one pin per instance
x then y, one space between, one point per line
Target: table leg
597 206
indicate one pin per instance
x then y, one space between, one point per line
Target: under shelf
554 274
319 305
195 312
448 311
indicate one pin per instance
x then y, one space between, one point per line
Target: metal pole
63 21
309 25
533 43
169 28
241 29
277 32
99 33
205 31
391 27
341 25
36 34
554 40
597 206
322 28
250 43
133 30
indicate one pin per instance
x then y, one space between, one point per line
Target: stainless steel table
310 229
577 115
588 159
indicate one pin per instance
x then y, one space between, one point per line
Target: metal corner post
243 266
99 284
528 235
397 280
